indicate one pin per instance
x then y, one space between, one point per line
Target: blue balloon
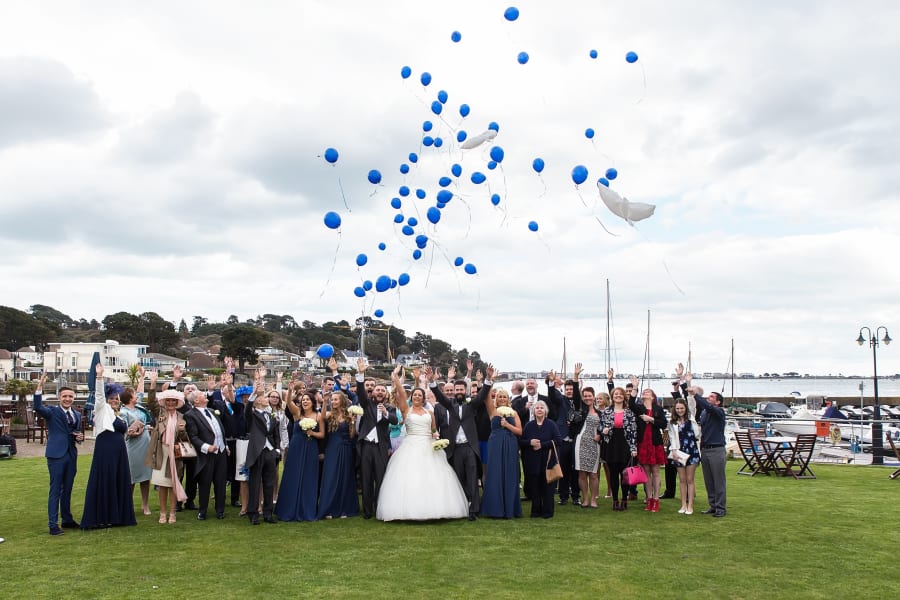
442 97
417 254
603 181
495 199
427 126
441 205
579 174
421 240
444 196
511 13
461 135
437 107
420 194
532 226
361 259
434 214
359 292
478 177
331 155
393 283
538 165
413 157
459 261
403 279
522 58
456 36
396 203
404 168
382 246
497 154
374 176
631 57
492 165
589 133
378 313
438 142
464 110
405 72
444 181
470 269
332 220
427 141
383 283
408 230
593 53
412 221
403 191
456 170
367 285
325 351
611 174
425 78
494 126
398 218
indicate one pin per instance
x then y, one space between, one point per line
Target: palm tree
134 374
19 390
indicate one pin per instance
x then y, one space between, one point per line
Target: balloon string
343 196
333 264
663 260
594 213
644 76
543 193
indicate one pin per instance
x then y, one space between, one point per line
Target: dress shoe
576 502
201 516
220 515
473 517
179 506
720 513
667 496
190 505
270 520
236 504
563 501
71 525
708 511
615 506
57 531
254 520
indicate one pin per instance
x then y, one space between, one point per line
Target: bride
419 484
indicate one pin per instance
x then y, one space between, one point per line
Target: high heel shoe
171 518
162 518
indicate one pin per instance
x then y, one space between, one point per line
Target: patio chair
801 457
754 456
890 440
35 427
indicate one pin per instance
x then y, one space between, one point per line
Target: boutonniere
468 400
216 412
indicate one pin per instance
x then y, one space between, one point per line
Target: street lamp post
877 435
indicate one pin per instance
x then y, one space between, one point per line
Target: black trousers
214 474
541 495
232 466
465 463
190 478
568 485
372 464
264 471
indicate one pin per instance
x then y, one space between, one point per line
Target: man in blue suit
63 431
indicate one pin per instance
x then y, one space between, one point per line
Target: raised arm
485 391
400 393
39 407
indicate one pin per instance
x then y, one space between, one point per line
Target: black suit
262 451
373 456
212 467
568 485
233 422
524 418
465 458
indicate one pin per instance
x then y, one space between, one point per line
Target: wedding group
433 449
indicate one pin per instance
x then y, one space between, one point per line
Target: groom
374 437
463 452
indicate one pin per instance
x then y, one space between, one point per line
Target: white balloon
619 206
475 141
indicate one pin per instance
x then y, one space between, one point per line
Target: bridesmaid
108 499
337 496
299 484
501 480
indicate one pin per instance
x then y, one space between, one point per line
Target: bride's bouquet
355 410
505 411
439 444
307 424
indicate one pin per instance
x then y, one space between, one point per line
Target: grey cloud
170 134
41 99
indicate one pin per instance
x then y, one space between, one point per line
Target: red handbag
634 475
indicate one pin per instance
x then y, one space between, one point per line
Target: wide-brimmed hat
165 395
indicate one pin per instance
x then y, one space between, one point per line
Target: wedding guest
587 450
501 479
167 469
207 434
63 432
684 433
263 449
337 495
373 440
276 402
525 408
712 449
539 439
617 425
567 402
232 416
298 493
137 439
651 419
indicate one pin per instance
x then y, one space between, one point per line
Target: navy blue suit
62 459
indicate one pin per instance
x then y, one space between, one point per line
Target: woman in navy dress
337 496
684 433
539 438
501 479
108 499
299 484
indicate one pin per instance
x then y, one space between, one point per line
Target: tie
70 419
208 414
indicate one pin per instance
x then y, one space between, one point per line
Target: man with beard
374 437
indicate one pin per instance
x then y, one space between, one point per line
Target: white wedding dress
419 484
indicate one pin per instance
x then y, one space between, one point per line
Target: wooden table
775 449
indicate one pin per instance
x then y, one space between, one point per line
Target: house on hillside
410 360
201 361
278 360
162 362
73 359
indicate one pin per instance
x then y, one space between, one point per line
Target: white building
74 358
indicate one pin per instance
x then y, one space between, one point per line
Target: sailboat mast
563 368
732 370
608 349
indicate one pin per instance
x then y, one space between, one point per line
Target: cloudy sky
168 157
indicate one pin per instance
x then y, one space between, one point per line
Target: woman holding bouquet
299 484
337 496
419 484
501 478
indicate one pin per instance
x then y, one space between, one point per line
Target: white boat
801 422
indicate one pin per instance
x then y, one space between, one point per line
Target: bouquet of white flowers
306 424
505 411
439 444
355 410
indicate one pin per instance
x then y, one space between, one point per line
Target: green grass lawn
782 538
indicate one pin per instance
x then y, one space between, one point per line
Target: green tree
197 324
134 374
183 330
51 316
18 328
124 327
232 320
19 390
241 341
